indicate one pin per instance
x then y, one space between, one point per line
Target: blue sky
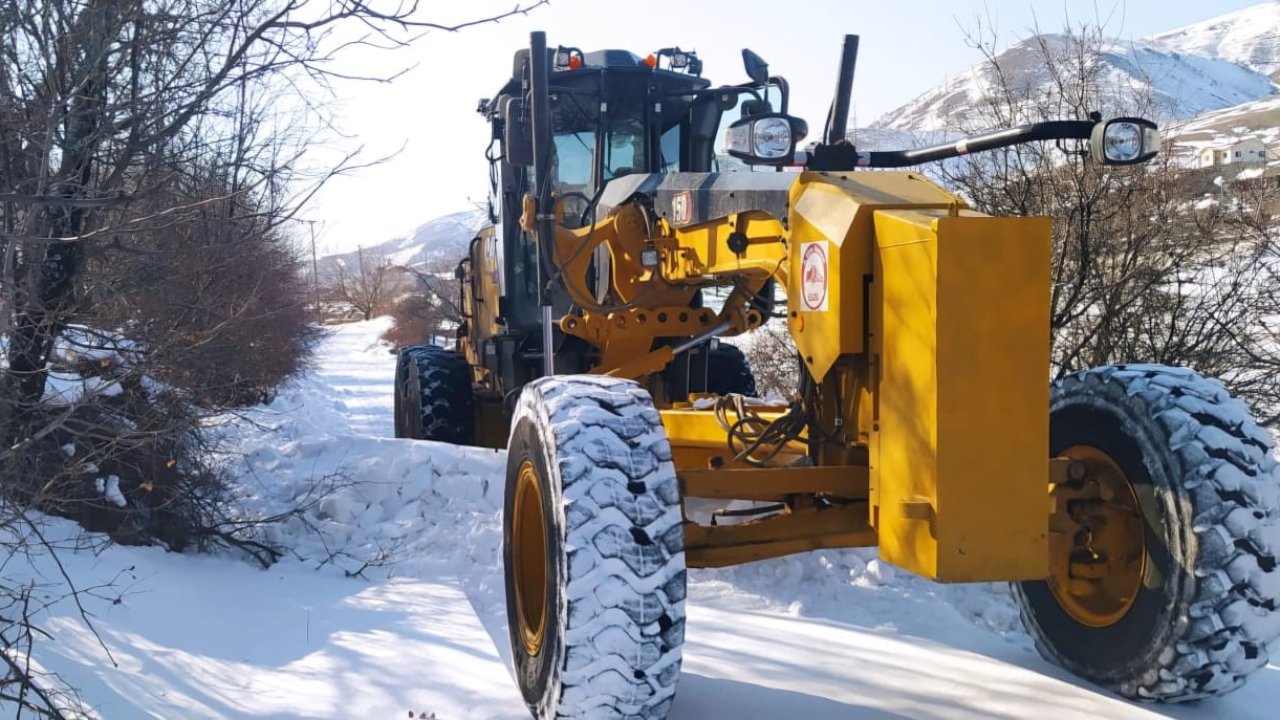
907 46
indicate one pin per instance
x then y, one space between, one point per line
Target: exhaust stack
838 118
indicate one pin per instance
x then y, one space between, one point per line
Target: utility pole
315 267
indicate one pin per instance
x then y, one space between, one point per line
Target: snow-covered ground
391 602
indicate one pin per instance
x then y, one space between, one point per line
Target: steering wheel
574 220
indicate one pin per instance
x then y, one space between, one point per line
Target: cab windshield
593 147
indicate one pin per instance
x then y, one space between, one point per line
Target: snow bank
205 637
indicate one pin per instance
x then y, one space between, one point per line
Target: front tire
1164 544
593 551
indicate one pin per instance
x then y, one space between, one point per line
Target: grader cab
1133 507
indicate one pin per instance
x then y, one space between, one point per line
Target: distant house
1248 150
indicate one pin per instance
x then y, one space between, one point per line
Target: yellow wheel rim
529 558
1097 550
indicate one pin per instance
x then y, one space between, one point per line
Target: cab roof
598 61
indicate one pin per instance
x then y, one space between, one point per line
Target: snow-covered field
390 604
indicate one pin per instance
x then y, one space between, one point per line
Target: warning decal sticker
813 275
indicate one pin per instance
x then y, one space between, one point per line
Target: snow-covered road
421 628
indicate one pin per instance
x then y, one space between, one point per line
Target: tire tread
1232 484
624 589
445 401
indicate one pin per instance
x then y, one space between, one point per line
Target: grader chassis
1133 507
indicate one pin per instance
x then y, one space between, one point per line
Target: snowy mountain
443 238
1248 37
1211 65
1251 39
1183 84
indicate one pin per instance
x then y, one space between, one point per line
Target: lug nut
1076 470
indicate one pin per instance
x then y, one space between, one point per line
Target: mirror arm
832 157
783 87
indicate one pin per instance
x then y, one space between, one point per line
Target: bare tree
363 287
425 303
775 362
217 296
1150 263
101 99
151 153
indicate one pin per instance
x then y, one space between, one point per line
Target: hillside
1258 120
1215 64
444 238
1248 37
1182 85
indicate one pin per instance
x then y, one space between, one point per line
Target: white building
1248 150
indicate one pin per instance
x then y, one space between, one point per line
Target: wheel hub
1097 550
529 557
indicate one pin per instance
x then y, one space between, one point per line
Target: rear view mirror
757 68
517 140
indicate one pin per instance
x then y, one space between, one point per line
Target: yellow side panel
960 448
829 257
488 281
830 254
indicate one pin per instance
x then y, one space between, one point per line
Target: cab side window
624 149
670 148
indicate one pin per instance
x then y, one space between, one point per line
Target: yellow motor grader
1132 507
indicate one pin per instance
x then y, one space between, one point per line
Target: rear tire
1207 491
593 550
433 396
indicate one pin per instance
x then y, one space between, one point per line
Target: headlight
771 138
737 139
763 139
1124 141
